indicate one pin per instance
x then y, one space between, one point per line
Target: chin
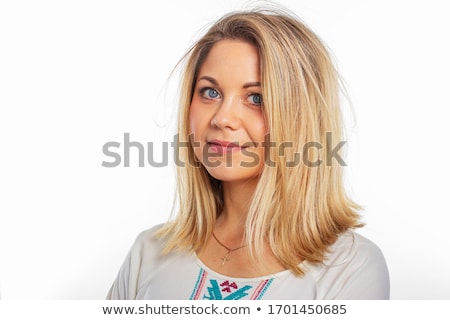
233 174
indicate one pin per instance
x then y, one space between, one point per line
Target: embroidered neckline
209 288
276 275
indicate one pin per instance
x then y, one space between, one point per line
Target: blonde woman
262 209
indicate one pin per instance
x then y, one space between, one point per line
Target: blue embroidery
227 289
266 286
215 293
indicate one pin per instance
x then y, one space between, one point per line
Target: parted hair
298 210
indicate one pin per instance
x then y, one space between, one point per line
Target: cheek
198 119
194 130
258 128
193 118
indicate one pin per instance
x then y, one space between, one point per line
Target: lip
220 146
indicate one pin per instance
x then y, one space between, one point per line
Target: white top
354 269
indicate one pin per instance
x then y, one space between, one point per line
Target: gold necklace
225 257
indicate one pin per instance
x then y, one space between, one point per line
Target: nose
227 115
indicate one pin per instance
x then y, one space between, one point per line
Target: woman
262 209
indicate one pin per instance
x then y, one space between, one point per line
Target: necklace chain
225 258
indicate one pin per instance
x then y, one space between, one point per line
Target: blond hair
299 210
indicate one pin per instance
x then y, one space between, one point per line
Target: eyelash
203 94
258 95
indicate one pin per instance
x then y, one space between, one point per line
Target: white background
77 74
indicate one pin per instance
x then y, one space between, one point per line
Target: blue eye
255 98
210 93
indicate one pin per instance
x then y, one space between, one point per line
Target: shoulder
142 260
353 248
354 268
148 237
147 247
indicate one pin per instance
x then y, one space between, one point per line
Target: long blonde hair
299 210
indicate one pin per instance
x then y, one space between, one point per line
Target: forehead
232 58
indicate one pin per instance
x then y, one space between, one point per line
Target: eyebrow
216 83
252 84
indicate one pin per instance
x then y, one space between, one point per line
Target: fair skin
228 126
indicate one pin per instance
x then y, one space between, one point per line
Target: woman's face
225 118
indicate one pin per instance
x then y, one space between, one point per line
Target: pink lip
221 147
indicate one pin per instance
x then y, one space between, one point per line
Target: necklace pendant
225 259
226 256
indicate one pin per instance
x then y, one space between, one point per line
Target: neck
237 197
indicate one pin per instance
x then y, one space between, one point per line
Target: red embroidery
228 285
